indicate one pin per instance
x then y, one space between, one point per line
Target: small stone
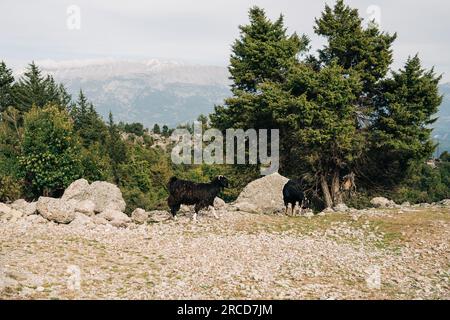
139 216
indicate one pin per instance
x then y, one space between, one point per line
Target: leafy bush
10 188
50 158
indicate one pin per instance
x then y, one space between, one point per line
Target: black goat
201 195
293 193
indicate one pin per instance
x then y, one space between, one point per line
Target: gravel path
370 254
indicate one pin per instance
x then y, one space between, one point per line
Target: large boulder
264 195
103 194
445 202
246 207
81 220
139 216
77 190
86 207
57 210
381 202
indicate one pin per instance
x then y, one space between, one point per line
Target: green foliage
445 156
264 52
148 140
96 163
34 89
134 128
143 178
10 188
337 112
50 158
156 129
360 200
400 133
364 50
116 148
424 184
6 85
87 122
10 138
165 131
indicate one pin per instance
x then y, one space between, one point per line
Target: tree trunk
326 191
336 187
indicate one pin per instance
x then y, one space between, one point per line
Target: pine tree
35 89
116 148
337 112
6 83
165 131
365 50
401 129
87 122
156 129
263 53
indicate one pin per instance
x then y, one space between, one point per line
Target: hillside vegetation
342 112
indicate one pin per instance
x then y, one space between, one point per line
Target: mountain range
168 92
148 91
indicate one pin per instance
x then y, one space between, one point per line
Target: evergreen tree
156 129
337 113
401 130
10 138
365 50
35 89
6 84
165 131
116 148
263 53
87 122
135 128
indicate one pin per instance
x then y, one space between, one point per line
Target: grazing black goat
201 195
293 193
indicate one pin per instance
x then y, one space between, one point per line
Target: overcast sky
199 31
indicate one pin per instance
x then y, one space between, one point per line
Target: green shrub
10 188
50 158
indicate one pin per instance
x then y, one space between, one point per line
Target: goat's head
221 181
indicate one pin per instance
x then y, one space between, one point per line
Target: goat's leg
196 210
286 211
301 207
293 208
174 209
214 212
289 205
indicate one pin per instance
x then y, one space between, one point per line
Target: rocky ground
391 253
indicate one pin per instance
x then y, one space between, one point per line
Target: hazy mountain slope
152 91
441 130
